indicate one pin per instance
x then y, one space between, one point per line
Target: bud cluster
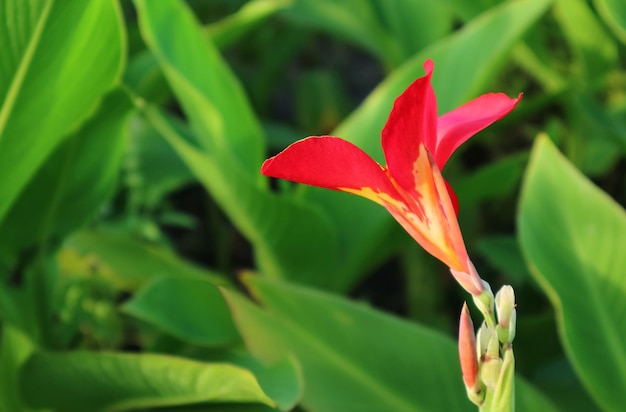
487 357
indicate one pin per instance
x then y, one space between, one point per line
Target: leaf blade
582 240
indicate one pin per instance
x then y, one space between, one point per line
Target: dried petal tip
467 348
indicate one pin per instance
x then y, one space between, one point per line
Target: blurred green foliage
131 204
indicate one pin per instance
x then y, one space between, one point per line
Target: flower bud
491 363
467 348
482 339
484 301
505 305
507 316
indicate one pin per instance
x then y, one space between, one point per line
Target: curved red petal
455 127
412 121
329 162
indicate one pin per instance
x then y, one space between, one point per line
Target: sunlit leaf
290 237
353 357
574 236
124 382
61 57
75 180
210 94
123 261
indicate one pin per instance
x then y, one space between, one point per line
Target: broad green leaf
594 48
574 235
143 74
58 59
83 381
124 261
614 14
189 308
73 182
291 239
210 94
14 351
361 223
355 358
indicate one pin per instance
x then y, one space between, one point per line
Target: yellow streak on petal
440 226
369 193
426 213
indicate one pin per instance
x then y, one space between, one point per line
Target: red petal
413 120
329 162
455 127
453 197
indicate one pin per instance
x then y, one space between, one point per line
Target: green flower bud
491 363
507 316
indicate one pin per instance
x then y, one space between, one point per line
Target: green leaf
83 381
361 223
281 380
594 48
14 351
210 94
74 181
123 261
355 358
199 316
291 239
574 236
61 57
614 14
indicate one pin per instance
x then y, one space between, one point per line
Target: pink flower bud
467 349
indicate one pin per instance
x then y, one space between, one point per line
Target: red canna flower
417 144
